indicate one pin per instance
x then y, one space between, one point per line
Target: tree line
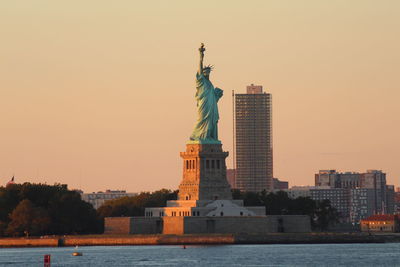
38 209
321 213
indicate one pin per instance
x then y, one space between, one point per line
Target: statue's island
205 202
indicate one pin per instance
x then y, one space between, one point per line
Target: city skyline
88 94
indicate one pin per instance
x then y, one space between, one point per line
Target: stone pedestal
204 173
204 190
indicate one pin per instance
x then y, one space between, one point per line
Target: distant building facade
335 179
98 199
362 203
253 136
372 179
280 185
376 180
355 195
397 201
231 177
367 193
299 191
390 199
338 197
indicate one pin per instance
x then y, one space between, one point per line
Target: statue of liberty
206 129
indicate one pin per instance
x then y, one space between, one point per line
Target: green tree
9 199
71 215
277 203
325 215
68 213
28 219
322 214
3 228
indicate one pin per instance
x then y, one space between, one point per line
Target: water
226 255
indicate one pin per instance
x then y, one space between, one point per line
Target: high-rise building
362 203
376 180
368 192
335 179
253 140
326 178
372 179
397 201
390 199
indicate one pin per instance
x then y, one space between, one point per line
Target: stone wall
117 225
29 242
200 225
132 225
145 225
292 223
237 225
202 239
173 225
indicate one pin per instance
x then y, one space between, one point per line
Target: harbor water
224 255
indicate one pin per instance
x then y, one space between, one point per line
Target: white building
97 199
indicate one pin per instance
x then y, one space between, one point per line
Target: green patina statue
206 129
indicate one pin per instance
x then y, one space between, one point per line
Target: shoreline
199 239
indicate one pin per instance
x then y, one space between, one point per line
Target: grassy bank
199 239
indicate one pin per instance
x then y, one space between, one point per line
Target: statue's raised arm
207 96
201 50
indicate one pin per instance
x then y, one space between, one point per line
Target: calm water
231 255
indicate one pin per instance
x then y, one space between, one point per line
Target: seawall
151 240
200 239
29 242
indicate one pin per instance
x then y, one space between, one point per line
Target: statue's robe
207 97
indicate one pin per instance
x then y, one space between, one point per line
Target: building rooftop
254 89
381 217
307 187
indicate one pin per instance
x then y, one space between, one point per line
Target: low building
195 208
381 223
98 199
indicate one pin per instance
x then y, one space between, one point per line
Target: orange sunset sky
100 94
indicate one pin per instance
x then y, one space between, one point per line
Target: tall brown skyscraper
253 139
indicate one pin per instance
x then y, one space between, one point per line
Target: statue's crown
211 67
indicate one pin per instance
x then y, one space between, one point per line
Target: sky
100 94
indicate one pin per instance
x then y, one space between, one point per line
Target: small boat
76 253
